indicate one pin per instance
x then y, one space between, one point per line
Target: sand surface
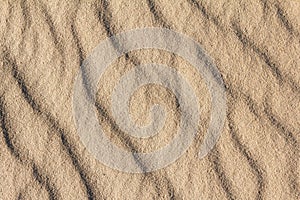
255 46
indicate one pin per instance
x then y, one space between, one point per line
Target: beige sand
256 47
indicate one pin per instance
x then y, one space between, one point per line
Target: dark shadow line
265 6
253 163
277 73
157 14
51 190
10 63
81 56
58 43
287 135
120 134
125 139
8 23
75 162
291 140
160 19
52 123
161 183
235 94
20 196
246 41
257 170
281 15
105 19
225 183
204 12
7 138
253 107
263 55
104 16
77 43
283 131
27 22
26 15
50 23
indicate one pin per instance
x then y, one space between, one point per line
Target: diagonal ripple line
103 55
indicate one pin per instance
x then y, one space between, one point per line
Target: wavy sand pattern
254 44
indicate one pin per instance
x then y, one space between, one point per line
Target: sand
255 45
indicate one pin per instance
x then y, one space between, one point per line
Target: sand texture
254 44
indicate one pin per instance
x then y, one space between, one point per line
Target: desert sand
254 44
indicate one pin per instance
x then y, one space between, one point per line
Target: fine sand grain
254 44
